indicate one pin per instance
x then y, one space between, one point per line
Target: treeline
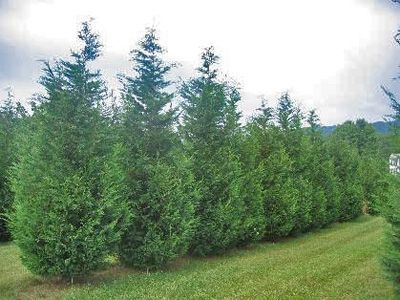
149 181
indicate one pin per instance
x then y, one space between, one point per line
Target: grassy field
340 262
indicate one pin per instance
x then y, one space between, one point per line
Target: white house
394 163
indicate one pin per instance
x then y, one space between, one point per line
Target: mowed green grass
340 262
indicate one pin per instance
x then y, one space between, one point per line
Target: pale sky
331 55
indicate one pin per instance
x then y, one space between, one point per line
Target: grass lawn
339 262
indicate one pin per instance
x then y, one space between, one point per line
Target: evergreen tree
11 117
279 192
391 207
347 171
321 175
249 182
289 119
391 253
372 169
60 221
155 181
375 183
210 121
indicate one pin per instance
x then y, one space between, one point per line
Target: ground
340 262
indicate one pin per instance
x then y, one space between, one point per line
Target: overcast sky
331 55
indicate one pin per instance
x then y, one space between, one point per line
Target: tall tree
289 119
280 195
12 114
373 168
346 161
210 125
156 183
61 222
391 208
320 171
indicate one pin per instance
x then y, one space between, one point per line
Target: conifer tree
279 192
152 175
391 207
289 119
60 221
249 181
11 117
363 136
391 212
210 121
347 171
321 174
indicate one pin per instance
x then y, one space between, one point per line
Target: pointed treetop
12 107
150 68
288 114
209 61
265 115
313 120
266 111
150 42
91 48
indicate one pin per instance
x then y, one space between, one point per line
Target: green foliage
75 234
347 170
318 169
60 221
308 182
210 132
372 170
11 119
374 174
281 195
326 180
148 117
360 134
149 173
220 207
391 254
162 215
251 190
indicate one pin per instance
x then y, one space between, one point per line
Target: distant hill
380 126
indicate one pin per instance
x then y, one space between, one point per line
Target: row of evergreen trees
150 180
